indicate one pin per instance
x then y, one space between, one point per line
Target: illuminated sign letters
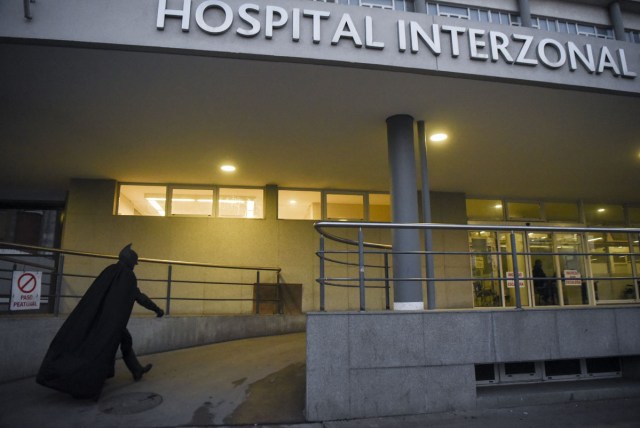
249 20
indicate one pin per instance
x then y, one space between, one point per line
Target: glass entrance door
543 269
574 289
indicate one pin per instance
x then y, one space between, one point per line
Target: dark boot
134 366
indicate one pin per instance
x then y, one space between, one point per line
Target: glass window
484 209
404 5
484 266
196 202
556 211
610 260
602 214
240 203
345 207
142 200
382 4
379 207
586 30
453 11
299 205
524 211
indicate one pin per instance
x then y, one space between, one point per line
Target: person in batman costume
82 354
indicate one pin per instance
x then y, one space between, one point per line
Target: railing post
321 253
361 268
386 281
168 303
279 294
257 292
58 292
516 273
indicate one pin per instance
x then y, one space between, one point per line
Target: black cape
82 354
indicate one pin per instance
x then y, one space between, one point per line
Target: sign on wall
572 277
511 282
25 290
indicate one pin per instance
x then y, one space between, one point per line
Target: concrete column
615 14
407 294
525 13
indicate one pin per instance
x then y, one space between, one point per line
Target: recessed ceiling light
228 168
601 210
438 137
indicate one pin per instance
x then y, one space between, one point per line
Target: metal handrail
141 259
322 226
39 251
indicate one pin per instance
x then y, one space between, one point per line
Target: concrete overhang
74 109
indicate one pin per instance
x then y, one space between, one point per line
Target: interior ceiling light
228 168
601 210
498 206
438 137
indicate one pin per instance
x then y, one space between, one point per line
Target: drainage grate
128 404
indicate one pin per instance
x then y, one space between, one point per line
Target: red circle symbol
27 282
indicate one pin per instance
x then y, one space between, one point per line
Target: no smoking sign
25 290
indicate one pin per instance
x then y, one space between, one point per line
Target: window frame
171 187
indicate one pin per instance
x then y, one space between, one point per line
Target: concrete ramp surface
242 382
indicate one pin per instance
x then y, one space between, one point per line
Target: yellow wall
90 225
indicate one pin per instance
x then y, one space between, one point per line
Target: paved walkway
255 382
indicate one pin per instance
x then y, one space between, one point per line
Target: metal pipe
58 292
516 273
140 260
525 13
279 295
426 214
321 253
258 292
444 226
386 281
361 269
615 15
169 276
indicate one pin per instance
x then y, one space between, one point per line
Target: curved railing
364 249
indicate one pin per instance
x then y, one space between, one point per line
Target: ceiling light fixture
228 168
601 210
436 138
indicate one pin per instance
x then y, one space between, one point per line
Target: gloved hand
159 313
